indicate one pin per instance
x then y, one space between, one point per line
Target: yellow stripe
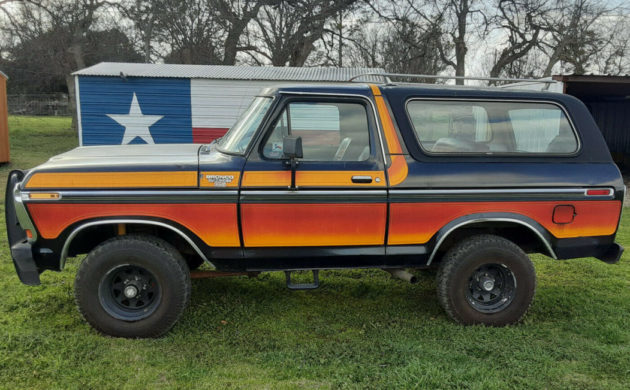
112 179
337 178
44 195
311 178
398 169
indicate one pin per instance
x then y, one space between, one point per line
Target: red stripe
205 135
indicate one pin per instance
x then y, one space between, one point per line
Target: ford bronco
467 180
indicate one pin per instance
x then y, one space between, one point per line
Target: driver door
339 198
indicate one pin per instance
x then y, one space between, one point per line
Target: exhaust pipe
402 275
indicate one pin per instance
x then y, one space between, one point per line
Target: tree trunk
231 46
72 101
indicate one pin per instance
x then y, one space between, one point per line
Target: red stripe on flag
205 135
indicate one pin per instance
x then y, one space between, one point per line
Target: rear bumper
24 263
612 254
603 248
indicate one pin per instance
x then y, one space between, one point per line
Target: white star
136 124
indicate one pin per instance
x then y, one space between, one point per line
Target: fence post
4 120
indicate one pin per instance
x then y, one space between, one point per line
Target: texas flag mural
118 110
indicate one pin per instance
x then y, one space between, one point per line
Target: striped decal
416 223
59 180
266 179
311 178
398 170
215 224
286 225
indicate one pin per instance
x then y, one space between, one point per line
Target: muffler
402 275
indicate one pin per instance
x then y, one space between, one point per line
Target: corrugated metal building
607 98
121 103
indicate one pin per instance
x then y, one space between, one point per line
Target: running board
303 286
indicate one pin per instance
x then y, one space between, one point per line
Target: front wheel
133 286
486 279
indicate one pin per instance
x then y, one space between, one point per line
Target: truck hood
133 166
145 157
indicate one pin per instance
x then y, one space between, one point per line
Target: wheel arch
489 220
86 226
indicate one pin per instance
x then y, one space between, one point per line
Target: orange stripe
266 179
398 169
266 225
416 223
112 179
311 178
215 179
215 224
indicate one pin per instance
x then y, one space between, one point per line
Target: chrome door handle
361 179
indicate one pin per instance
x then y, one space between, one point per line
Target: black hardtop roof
429 90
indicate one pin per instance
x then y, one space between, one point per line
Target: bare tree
190 29
60 29
521 22
289 30
457 20
572 34
200 31
144 16
615 57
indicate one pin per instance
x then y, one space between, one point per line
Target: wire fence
57 104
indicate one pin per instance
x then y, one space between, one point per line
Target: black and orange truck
397 177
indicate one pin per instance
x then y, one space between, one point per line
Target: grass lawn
361 329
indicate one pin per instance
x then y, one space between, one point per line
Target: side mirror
292 147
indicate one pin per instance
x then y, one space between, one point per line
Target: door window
329 131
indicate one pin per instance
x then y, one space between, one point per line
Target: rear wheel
486 279
133 286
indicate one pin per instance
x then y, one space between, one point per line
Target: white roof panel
228 72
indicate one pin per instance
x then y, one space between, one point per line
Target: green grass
361 329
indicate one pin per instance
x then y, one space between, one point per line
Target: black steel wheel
486 279
129 292
133 286
491 288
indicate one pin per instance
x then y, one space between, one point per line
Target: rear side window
491 127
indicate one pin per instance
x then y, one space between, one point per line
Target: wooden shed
4 120
607 98
122 103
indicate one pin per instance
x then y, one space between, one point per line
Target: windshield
237 138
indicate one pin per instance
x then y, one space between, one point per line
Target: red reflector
597 192
29 234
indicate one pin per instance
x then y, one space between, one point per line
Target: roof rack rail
387 76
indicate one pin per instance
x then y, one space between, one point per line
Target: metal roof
4 75
228 72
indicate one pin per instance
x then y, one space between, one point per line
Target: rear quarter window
488 127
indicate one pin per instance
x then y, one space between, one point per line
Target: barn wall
613 118
192 110
162 113
217 104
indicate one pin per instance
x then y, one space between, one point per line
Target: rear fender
542 234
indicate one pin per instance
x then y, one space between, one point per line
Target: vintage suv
467 180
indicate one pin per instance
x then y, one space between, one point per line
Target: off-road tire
160 258
460 263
